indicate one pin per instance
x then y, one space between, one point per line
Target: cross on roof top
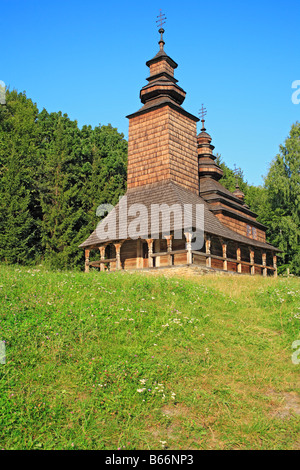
202 113
161 19
236 173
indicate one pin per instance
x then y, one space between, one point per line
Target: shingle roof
161 55
211 185
213 191
160 102
165 192
204 134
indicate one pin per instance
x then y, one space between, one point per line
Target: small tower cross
202 114
161 20
236 173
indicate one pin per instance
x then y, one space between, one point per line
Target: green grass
136 361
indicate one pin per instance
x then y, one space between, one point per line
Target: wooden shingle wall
148 154
160 67
183 151
240 227
162 145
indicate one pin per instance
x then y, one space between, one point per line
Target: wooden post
139 254
252 268
118 255
169 248
157 250
188 237
150 252
224 249
102 257
238 258
275 265
87 261
264 262
207 251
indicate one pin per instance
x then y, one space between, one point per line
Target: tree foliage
282 209
53 176
19 204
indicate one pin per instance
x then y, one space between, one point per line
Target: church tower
162 135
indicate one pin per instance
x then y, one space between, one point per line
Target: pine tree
282 212
60 189
79 170
107 169
19 205
53 176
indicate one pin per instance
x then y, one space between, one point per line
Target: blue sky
87 59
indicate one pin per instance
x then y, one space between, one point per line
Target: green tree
20 210
256 198
105 169
53 176
282 212
61 189
231 177
79 170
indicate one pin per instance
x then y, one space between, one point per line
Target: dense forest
54 175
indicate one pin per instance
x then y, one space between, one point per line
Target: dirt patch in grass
286 404
176 410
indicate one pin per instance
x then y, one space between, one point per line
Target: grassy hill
142 361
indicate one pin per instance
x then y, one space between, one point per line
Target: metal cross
236 173
161 19
202 112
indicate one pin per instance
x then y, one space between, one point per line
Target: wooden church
170 165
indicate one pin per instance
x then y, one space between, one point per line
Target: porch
216 253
